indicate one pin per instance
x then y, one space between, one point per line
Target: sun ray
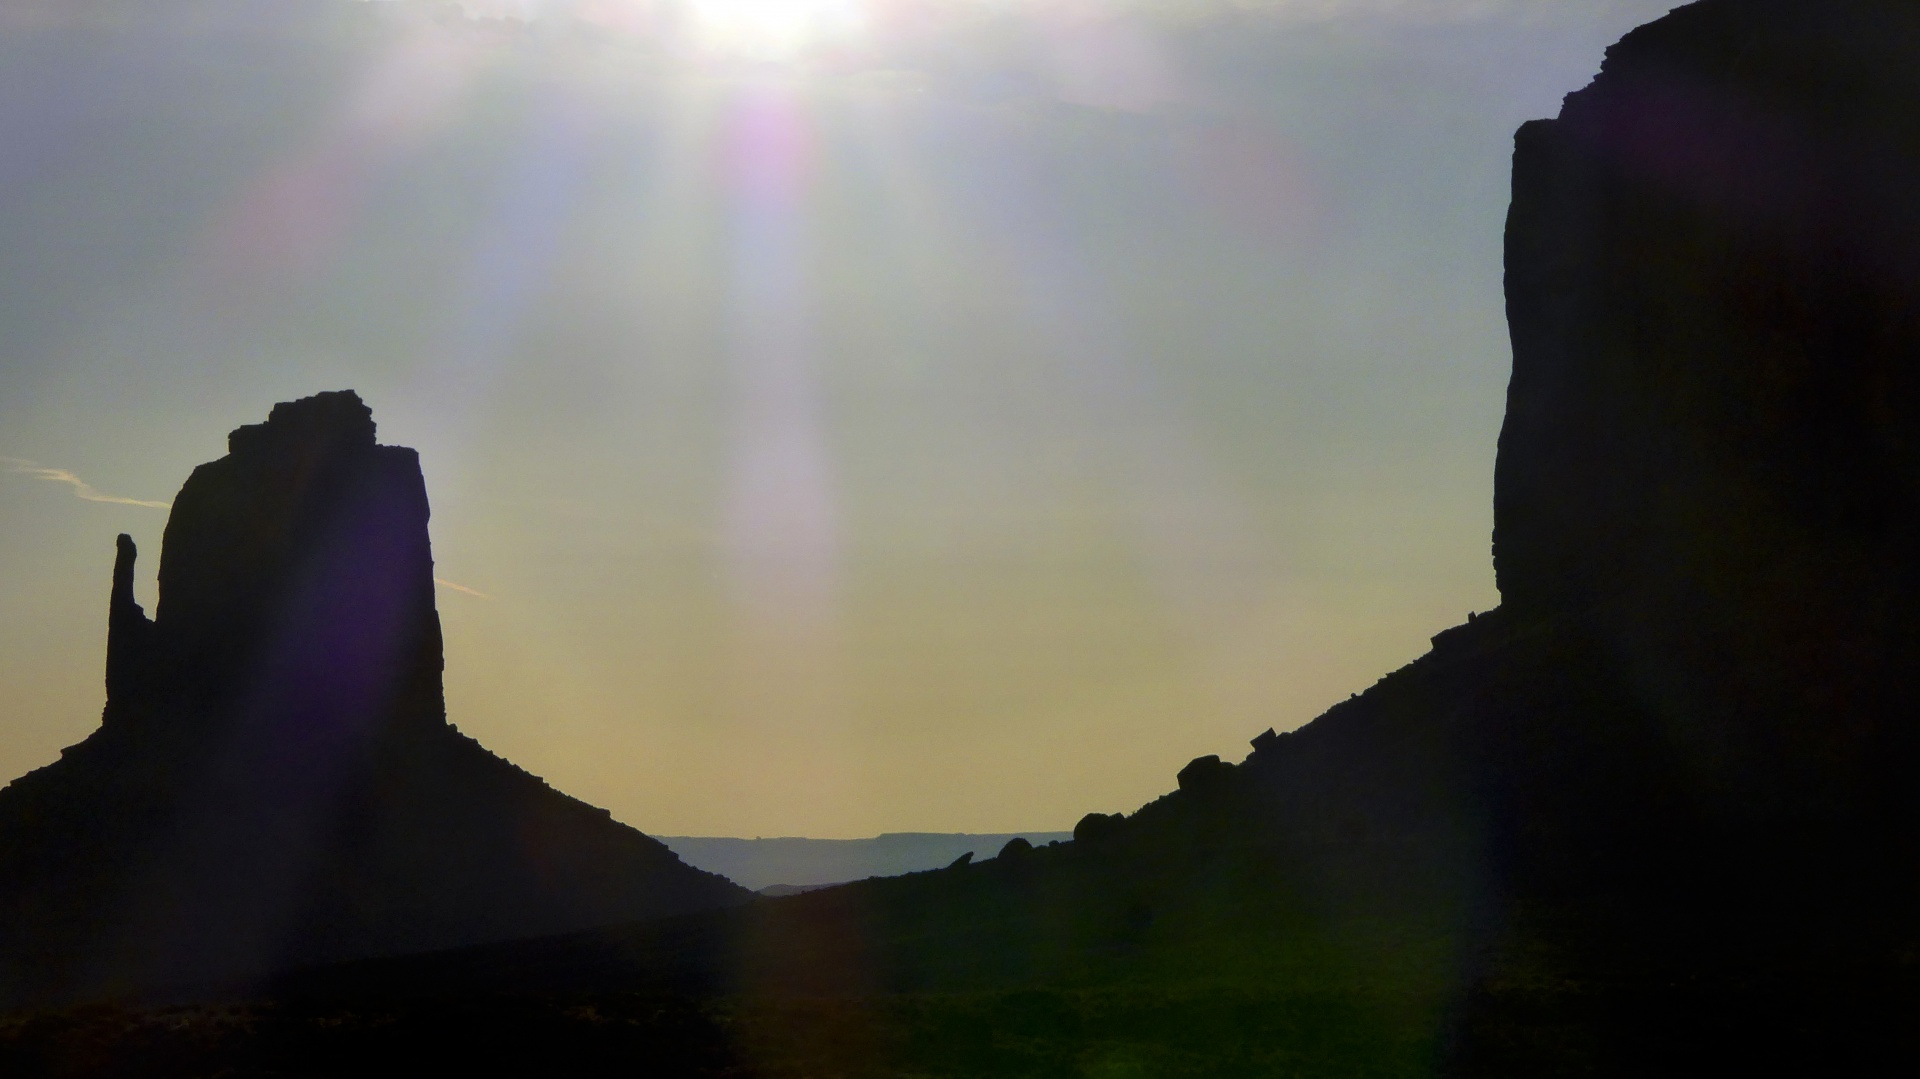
782 529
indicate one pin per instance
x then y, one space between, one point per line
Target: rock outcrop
274 781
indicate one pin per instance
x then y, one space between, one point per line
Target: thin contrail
81 488
444 583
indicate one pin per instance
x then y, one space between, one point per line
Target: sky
840 416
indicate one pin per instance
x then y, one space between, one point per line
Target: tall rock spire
129 632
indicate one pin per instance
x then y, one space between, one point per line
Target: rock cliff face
274 781
1686 740
1712 442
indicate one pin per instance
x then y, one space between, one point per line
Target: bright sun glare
774 29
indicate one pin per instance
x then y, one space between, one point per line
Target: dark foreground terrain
1699 1028
1103 1032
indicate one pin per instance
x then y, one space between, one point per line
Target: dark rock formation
1683 749
274 781
1685 743
1684 746
1711 451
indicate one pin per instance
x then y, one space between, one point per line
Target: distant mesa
793 861
274 781
775 891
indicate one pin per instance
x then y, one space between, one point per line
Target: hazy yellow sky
947 416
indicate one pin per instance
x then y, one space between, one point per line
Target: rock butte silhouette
274 781
1655 814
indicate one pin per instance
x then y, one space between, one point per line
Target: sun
773 29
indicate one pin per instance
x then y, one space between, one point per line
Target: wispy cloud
81 488
463 589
